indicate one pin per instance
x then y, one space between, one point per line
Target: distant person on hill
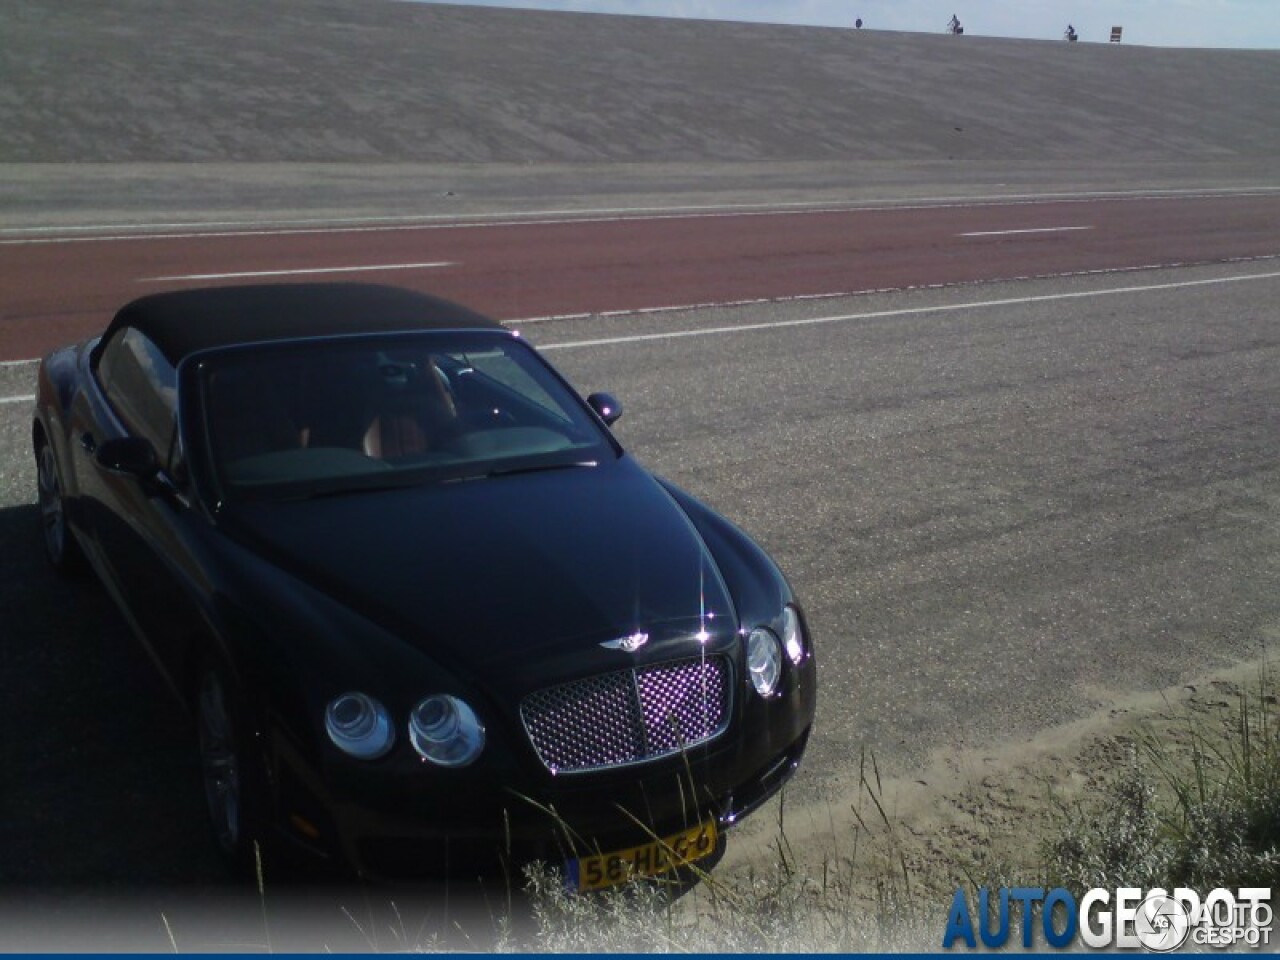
954 25
858 23
1071 34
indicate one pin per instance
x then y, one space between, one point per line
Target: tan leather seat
410 418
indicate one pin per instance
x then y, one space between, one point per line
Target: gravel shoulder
38 197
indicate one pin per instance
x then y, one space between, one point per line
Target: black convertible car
423 607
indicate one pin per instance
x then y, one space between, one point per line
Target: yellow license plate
647 860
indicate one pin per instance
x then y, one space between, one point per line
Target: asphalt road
1004 504
625 259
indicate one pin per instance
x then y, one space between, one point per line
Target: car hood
495 570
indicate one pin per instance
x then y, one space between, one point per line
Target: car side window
142 387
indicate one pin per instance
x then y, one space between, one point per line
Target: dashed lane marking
1009 233
298 273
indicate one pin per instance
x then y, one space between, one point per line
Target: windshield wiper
348 486
530 468
374 483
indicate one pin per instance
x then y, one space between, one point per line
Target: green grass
1194 807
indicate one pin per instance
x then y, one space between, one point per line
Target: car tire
231 774
60 546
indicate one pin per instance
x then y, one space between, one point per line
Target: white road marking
1007 233
904 312
297 273
865 292
454 221
27 399
730 304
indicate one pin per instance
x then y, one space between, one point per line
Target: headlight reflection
446 731
792 635
359 726
764 661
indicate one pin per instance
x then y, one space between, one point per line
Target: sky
1160 23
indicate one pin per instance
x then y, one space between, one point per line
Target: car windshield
324 417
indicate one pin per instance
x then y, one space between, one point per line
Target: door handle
87 443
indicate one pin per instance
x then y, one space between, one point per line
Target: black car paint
300 601
605 544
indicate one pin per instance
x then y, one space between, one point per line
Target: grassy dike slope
319 81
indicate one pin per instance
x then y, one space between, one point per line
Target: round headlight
764 661
792 635
444 730
359 725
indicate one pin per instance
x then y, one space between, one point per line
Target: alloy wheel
52 518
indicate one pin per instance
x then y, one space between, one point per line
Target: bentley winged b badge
628 644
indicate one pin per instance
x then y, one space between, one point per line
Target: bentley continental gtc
422 606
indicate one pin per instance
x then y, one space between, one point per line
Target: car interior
284 419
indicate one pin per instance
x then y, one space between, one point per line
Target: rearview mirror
606 407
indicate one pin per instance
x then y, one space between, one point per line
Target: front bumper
573 827
400 817
490 828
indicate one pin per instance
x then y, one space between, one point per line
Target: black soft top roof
184 322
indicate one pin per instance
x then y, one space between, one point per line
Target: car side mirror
606 407
130 457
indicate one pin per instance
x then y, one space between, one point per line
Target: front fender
293 649
758 587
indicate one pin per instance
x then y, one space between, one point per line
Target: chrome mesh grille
628 716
